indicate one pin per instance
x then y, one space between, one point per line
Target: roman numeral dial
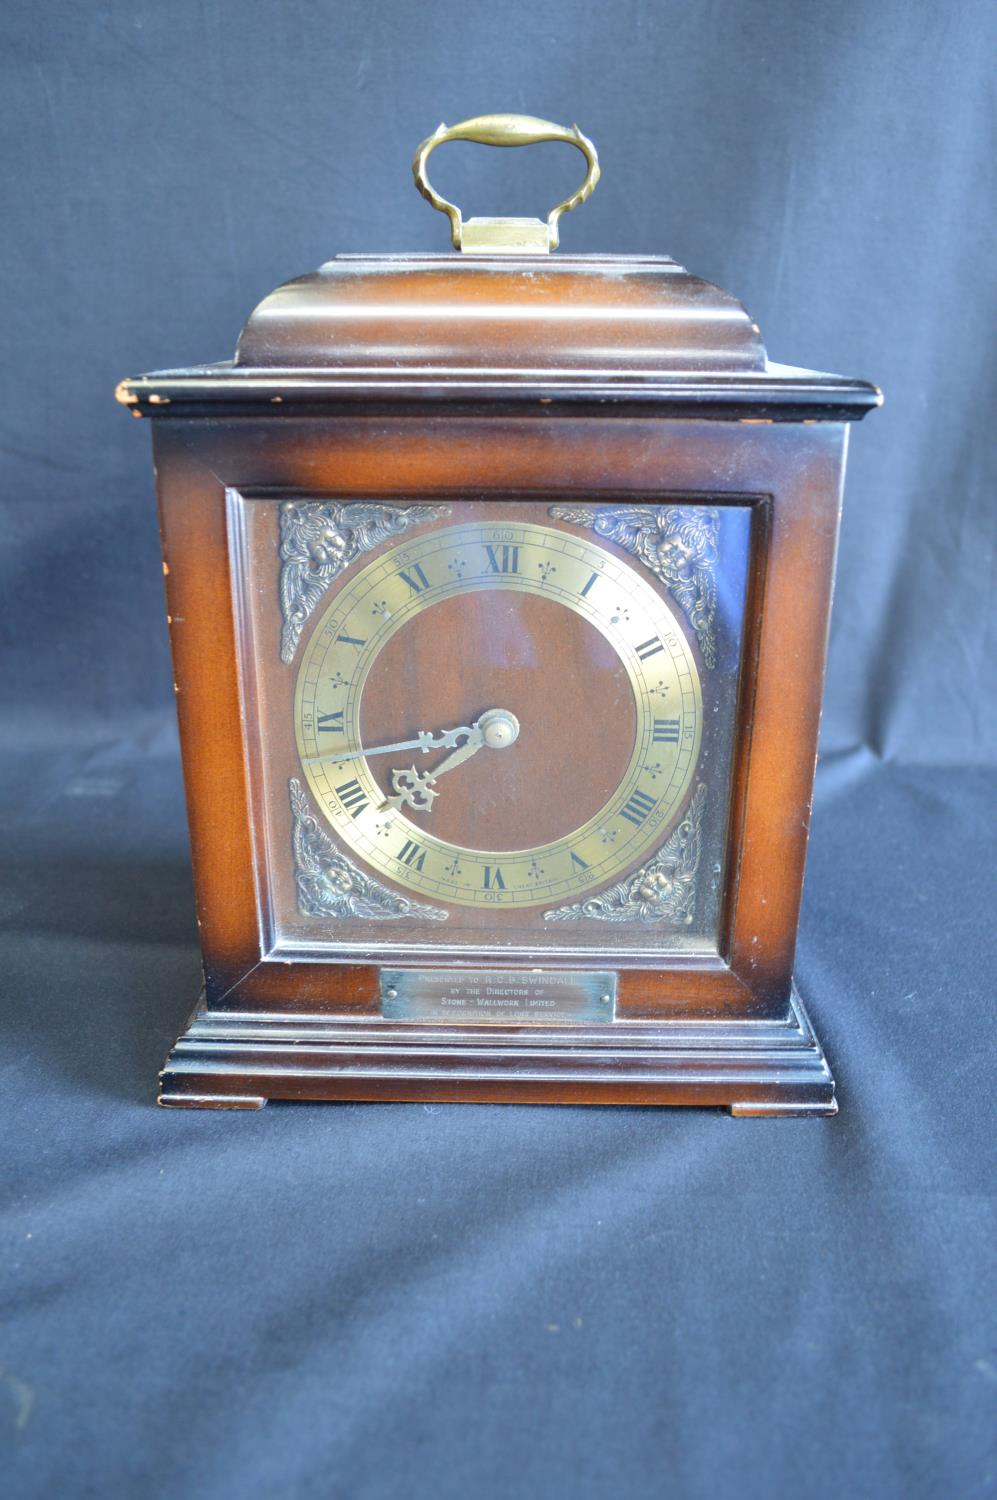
499 715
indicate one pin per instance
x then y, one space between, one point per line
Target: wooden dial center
546 666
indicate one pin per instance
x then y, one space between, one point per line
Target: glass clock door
498 727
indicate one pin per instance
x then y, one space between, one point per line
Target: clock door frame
749 1046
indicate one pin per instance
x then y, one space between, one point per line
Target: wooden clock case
425 377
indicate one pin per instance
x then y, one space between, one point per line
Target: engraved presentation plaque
530 996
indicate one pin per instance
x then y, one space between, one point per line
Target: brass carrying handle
505 130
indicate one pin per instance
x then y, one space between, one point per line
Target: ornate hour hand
495 730
412 789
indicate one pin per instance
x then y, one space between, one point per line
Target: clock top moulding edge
613 332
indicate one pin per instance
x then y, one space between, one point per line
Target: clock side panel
253 821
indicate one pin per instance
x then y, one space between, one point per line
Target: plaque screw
392 994
605 999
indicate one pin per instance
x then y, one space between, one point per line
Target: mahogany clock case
708 1017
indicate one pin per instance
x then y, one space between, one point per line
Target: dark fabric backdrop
379 1301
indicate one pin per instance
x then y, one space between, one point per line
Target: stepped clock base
239 1060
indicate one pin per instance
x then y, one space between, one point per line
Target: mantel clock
498 588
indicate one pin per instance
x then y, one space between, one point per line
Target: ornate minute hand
424 741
